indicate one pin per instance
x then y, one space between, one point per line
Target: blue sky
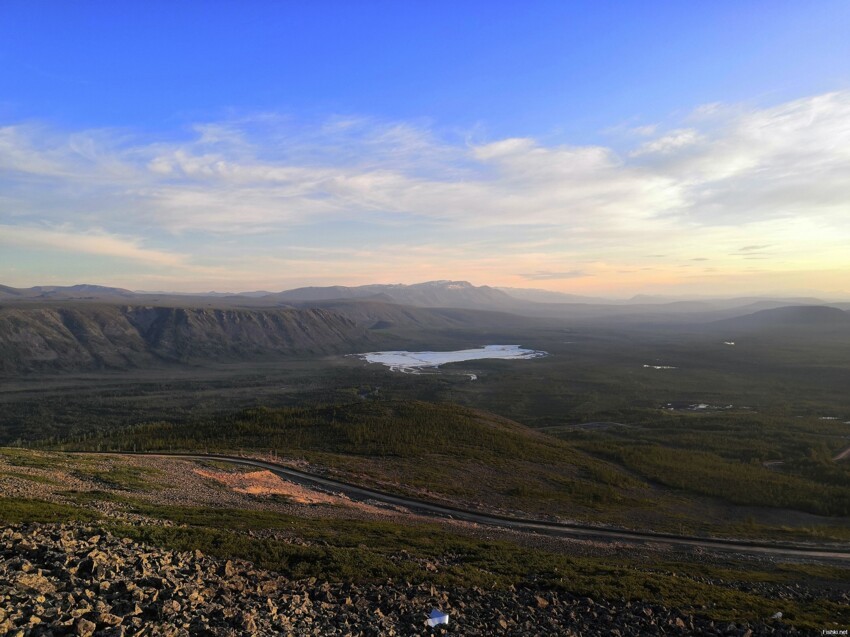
599 147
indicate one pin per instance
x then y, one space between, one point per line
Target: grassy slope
724 455
696 472
462 455
420 448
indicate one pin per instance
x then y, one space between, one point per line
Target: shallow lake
412 362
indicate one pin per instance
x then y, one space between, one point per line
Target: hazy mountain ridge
376 301
81 291
429 294
460 294
805 317
377 313
536 295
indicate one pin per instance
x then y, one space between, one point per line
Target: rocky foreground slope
74 580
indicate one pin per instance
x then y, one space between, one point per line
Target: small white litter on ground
437 617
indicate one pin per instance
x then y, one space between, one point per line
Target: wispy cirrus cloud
753 249
549 275
93 242
726 176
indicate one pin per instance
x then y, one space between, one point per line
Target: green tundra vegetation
408 446
637 476
776 406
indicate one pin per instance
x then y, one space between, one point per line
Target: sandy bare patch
266 483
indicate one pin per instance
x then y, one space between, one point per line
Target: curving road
563 529
843 455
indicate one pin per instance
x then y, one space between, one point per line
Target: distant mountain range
431 294
459 294
54 328
791 317
47 292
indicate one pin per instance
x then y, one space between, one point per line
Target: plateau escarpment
116 337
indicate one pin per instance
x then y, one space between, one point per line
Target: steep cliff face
94 337
190 333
